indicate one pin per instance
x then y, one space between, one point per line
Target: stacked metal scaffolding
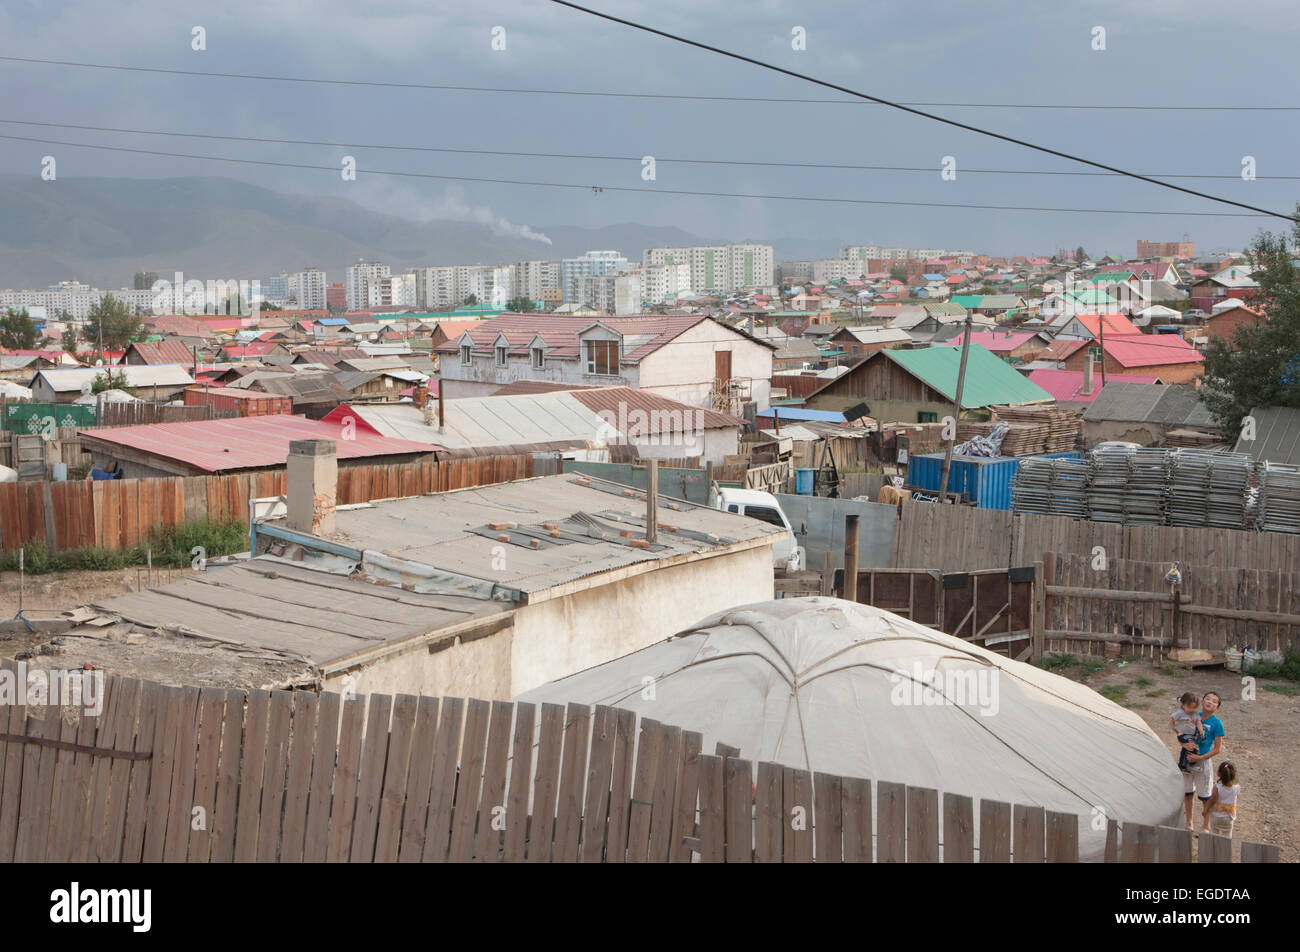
1279 498
1209 489
1173 487
1052 487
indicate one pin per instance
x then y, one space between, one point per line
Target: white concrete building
356 284
718 268
591 264
311 285
680 356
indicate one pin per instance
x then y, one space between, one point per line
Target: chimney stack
421 396
311 481
1088 371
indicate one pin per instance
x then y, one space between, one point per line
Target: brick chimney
421 395
311 482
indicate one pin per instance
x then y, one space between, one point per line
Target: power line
629 188
683 97
918 112
605 158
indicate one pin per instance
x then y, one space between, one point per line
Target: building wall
684 367
1225 325
1167 373
560 636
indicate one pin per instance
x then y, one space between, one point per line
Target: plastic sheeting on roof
836 687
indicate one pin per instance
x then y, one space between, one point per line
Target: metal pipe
651 500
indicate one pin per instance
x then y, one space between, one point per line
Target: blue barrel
803 481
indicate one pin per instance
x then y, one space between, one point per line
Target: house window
502 350
927 416
465 353
602 357
539 358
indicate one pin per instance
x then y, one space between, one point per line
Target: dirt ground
1260 741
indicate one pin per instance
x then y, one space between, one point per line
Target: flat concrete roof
451 530
266 622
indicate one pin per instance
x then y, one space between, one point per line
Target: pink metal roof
1116 323
215 446
1152 350
1067 385
994 341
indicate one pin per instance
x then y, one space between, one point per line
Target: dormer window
539 357
502 351
602 358
465 354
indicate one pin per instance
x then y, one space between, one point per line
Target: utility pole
1101 344
956 418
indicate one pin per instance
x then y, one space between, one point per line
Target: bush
1288 669
170 547
1057 662
1114 692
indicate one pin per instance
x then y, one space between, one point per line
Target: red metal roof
1116 323
257 348
215 446
994 341
164 352
1067 385
1060 348
1152 350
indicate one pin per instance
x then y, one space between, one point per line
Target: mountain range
101 231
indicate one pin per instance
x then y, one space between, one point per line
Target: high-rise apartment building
591 264
357 280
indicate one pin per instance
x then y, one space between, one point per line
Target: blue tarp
800 413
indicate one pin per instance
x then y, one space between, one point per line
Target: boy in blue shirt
1199 779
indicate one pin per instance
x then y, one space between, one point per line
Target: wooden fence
961 538
119 514
1129 602
171 774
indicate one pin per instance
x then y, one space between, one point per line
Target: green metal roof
1090 296
987 300
989 380
1112 277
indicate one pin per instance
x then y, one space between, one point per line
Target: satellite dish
85 389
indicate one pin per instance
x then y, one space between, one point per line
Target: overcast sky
1160 52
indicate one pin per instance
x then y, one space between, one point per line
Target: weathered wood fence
1092 602
121 513
170 774
962 538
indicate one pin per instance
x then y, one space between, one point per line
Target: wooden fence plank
492 802
688 787
891 822
152 707
958 829
1062 843
922 825
664 796
828 826
546 783
343 812
713 833
393 795
316 833
302 741
995 831
470 782
166 734
108 796
1259 853
647 761
370 779
271 811
797 792
1028 834
573 768
738 804
212 708
250 777
442 795
11 766
769 818
600 771
419 781
1138 843
1211 848
226 803
521 783
856 807
620 793
181 798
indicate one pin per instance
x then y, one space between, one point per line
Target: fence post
1049 578
850 592
1038 624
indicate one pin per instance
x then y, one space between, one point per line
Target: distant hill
102 230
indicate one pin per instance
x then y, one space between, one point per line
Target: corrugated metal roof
1151 350
62 380
1067 385
216 446
1167 405
1277 435
989 380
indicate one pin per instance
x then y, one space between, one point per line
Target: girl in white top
1222 805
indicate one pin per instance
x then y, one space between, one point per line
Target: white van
786 552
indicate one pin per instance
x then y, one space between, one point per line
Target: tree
520 304
1080 254
18 331
103 381
111 325
471 300
898 272
1260 366
69 340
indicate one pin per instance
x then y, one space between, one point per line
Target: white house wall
683 368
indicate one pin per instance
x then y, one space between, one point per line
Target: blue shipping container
803 481
986 480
